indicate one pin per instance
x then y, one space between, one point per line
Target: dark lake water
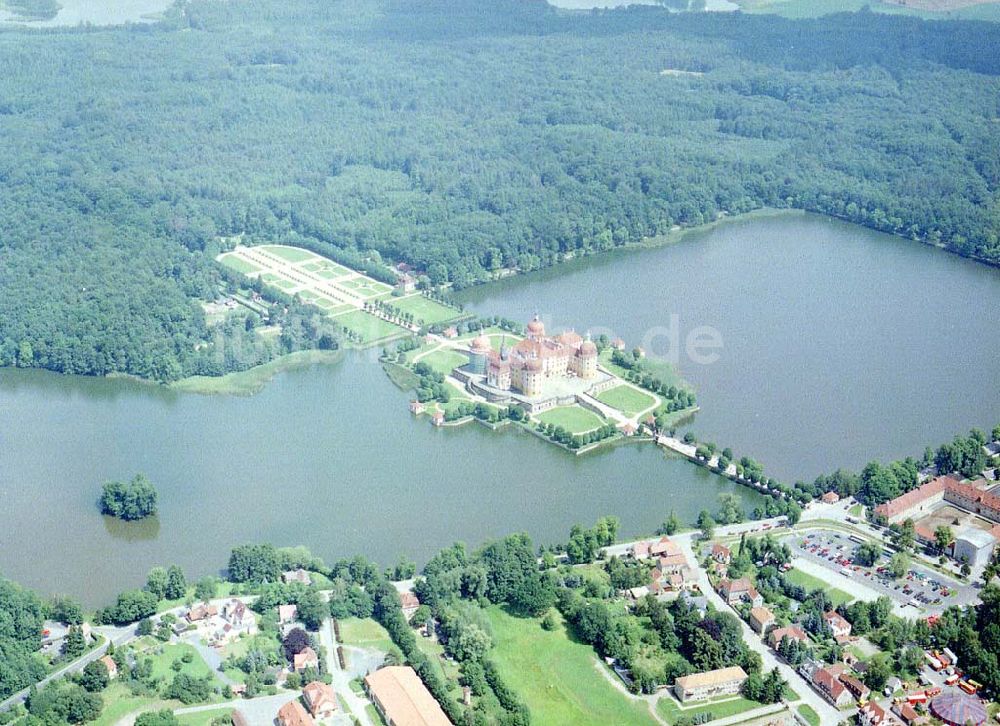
839 344
328 457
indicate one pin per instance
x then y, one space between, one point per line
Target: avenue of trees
508 136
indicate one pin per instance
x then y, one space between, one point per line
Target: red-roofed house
306 658
858 689
873 715
110 665
320 699
741 590
830 498
410 603
792 631
293 714
721 553
828 684
761 619
840 627
915 501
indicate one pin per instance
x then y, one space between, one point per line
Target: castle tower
585 360
478 353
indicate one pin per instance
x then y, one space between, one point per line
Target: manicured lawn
368 326
444 360
574 419
197 668
423 308
557 677
202 718
239 264
806 711
810 583
856 510
366 634
626 399
290 254
119 702
670 710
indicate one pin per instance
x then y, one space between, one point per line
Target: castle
535 361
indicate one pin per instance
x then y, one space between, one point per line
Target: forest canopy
457 136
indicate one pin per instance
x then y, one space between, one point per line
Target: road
826 712
341 679
110 635
261 710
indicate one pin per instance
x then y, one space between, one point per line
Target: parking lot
920 587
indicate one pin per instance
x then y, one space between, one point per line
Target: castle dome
481 344
536 327
587 347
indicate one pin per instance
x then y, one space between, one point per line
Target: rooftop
404 698
711 678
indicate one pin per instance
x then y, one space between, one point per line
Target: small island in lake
132 500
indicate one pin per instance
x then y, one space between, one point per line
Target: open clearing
574 419
366 634
370 328
626 399
557 676
424 309
810 583
442 360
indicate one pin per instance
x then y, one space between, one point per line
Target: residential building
297 575
306 658
761 619
409 602
111 666
830 498
699 686
287 614
320 699
792 631
908 714
402 699
840 627
741 590
873 715
858 689
721 554
828 683
200 612
293 714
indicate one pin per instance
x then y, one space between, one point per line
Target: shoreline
253 380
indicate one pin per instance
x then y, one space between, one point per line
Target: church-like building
534 361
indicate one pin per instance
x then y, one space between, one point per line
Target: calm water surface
327 457
840 344
96 12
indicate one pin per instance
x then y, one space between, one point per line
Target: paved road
259 711
110 634
827 713
341 680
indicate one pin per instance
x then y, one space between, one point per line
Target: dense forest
458 136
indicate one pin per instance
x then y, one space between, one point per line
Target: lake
328 457
840 344
97 12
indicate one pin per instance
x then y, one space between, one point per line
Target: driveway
342 679
826 712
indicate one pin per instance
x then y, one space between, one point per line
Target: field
369 327
671 710
574 419
662 369
202 718
798 577
425 309
366 634
164 655
626 399
442 360
119 702
557 677
240 265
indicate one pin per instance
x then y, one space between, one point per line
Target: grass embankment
575 419
558 678
670 710
245 383
626 399
810 583
367 634
806 711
